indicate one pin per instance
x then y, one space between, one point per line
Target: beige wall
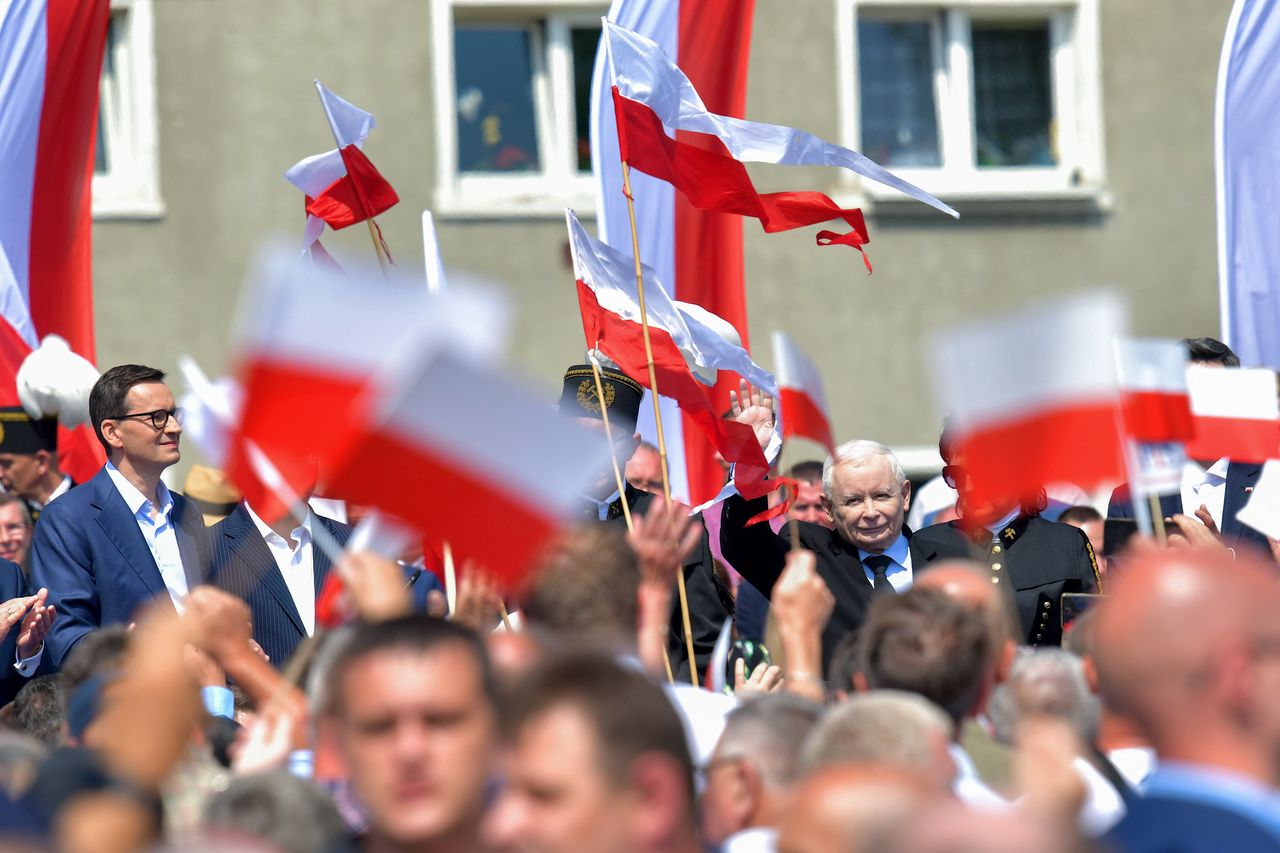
237 108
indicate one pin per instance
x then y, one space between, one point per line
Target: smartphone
1074 605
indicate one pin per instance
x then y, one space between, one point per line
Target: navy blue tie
879 564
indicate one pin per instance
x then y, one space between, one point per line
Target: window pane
497 124
895 73
1012 98
585 40
108 95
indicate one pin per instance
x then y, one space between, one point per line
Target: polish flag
1236 414
1033 398
310 340
456 436
610 306
50 66
1157 404
342 187
801 398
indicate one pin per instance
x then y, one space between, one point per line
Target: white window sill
516 204
976 200
106 209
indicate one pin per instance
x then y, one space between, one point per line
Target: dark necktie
879 564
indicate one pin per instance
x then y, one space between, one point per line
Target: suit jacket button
995 567
995 549
1039 637
1047 605
995 580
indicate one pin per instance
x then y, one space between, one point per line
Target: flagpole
1157 519
657 411
337 138
608 435
377 246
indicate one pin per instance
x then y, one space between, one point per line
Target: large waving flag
801 398
1157 403
610 306
1235 412
342 187
697 254
1034 397
50 64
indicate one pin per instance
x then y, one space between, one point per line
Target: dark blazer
1161 824
1241 478
241 563
88 551
760 555
13 584
710 603
1038 559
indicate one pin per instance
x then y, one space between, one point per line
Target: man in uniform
709 601
29 458
1038 560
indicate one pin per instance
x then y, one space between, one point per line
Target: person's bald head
968 584
852 808
949 827
1188 645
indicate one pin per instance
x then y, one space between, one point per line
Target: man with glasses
121 539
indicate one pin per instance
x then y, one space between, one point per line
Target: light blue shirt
1218 787
899 571
157 529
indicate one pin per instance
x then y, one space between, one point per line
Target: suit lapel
121 527
256 561
1241 478
188 527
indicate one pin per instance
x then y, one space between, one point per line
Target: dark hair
629 714
1210 350
1079 515
584 589
809 471
925 643
97 652
106 400
37 709
416 634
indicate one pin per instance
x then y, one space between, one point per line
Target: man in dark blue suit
1187 646
1216 489
122 539
278 569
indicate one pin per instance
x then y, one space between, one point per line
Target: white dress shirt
296 562
157 528
899 571
1134 763
602 506
1208 487
757 839
62 489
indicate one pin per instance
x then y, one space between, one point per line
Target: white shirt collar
602 505
300 534
62 489
138 502
1194 475
995 527
897 551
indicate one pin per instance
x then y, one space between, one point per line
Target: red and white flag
50 66
610 306
456 436
800 395
1033 398
1236 414
308 343
342 187
1157 404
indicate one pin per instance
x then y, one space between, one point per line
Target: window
975 99
126 167
513 102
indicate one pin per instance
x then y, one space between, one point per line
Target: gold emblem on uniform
589 400
1 433
1009 533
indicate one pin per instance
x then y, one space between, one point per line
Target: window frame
1080 174
130 189
558 184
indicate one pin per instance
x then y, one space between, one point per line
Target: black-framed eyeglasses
159 418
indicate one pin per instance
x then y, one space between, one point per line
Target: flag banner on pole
801 397
1033 398
610 306
1236 414
1157 403
643 74
1262 512
456 435
308 342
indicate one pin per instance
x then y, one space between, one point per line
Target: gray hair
1045 682
858 452
289 813
882 726
770 730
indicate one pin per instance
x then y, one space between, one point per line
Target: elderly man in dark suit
122 539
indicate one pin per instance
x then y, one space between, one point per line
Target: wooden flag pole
1157 519
657 412
377 246
608 435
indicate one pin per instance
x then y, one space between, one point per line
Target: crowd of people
1011 677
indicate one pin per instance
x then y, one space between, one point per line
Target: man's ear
1004 664
43 458
860 684
662 799
906 495
111 433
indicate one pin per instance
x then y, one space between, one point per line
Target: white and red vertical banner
698 254
50 64
800 394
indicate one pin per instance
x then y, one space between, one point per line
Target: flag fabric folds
1157 404
1235 412
1033 398
611 321
801 397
